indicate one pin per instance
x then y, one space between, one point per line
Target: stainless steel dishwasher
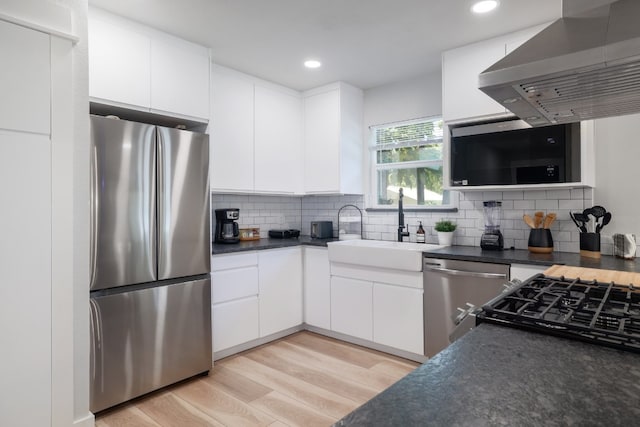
450 284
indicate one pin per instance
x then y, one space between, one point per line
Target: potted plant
445 229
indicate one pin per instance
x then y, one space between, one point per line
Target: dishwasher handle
467 273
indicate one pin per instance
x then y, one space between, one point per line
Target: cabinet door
278 141
524 271
25 78
119 64
233 284
461 98
352 307
235 322
322 142
231 130
317 288
25 275
280 277
397 317
179 77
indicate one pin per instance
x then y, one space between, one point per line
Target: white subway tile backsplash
269 212
577 193
524 204
549 205
492 195
513 195
572 205
558 194
535 195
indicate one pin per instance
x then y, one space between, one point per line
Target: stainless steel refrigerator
150 294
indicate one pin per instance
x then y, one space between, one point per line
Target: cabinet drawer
228 285
235 323
227 262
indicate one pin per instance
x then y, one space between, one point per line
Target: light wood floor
302 380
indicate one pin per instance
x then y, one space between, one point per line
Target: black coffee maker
226 226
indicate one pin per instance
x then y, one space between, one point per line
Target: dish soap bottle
420 234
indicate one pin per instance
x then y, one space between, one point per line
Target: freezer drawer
146 339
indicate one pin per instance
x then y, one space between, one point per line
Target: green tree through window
409 155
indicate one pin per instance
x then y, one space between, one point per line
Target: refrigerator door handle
93 199
95 325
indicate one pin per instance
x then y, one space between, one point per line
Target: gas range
600 313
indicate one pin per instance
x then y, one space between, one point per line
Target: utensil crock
540 241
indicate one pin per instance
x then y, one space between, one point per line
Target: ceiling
366 43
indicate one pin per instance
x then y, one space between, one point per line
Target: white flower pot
445 238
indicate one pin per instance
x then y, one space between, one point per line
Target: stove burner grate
604 313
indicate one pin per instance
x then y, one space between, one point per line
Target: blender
492 237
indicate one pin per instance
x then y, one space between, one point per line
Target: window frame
374 168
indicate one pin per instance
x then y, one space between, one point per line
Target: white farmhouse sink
379 253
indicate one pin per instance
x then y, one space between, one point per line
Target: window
408 155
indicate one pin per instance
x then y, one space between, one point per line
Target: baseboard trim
255 343
366 343
88 421
331 334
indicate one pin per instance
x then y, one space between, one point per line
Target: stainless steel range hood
580 67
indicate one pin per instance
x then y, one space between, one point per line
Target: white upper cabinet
333 154
256 134
25 77
278 140
119 64
461 98
179 77
231 131
137 67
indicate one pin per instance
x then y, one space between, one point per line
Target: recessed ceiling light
312 63
484 6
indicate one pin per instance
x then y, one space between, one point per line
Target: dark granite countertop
496 375
268 243
519 256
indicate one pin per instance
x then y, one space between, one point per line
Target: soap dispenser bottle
420 237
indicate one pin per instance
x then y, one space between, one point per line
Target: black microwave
513 153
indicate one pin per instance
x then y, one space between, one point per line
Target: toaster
321 229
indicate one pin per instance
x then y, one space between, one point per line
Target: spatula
548 220
538 219
529 221
583 219
606 219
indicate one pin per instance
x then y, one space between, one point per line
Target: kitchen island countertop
496 375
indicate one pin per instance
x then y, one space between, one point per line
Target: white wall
408 99
413 98
617 148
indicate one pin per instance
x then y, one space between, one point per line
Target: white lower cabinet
317 288
352 307
280 279
235 322
234 295
524 271
397 317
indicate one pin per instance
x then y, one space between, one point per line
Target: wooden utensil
548 220
538 219
529 221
